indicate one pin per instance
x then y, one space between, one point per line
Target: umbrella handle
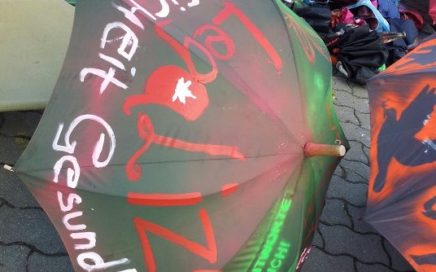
313 149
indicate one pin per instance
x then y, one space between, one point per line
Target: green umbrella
187 136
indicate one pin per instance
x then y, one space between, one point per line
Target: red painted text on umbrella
185 92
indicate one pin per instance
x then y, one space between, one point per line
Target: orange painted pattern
408 63
390 100
415 256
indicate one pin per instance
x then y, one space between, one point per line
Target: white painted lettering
66 220
72 174
71 200
98 148
194 3
90 236
97 262
129 39
113 61
165 10
108 77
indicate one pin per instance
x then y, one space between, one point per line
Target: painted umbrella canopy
402 188
182 136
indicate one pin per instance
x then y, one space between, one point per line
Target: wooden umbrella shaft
313 149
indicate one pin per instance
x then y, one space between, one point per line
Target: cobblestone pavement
343 242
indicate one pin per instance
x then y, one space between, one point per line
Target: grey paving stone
346 99
355 153
321 261
11 149
21 123
334 212
372 268
352 193
30 227
14 192
359 90
366 150
340 83
318 240
359 223
41 263
357 167
16 129
356 133
13 258
365 248
353 177
340 172
364 119
346 115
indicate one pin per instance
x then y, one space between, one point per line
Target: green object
382 68
71 2
175 137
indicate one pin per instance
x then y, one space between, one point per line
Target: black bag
359 53
317 16
399 48
337 4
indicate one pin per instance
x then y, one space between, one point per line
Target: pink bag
346 16
432 10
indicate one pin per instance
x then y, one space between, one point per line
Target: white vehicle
35 38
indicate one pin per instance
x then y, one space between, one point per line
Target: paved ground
343 242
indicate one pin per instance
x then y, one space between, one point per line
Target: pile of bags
363 36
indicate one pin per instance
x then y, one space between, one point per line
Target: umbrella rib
267 171
290 39
207 195
169 161
253 97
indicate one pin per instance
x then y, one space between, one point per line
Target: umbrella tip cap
8 168
342 150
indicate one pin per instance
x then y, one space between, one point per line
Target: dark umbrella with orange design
187 136
402 188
